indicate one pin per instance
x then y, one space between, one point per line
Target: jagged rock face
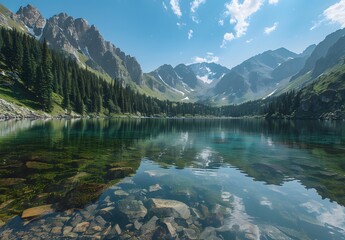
32 18
76 35
78 38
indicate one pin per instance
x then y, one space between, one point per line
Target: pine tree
47 78
17 51
27 71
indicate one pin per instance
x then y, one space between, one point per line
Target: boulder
38 165
119 172
81 227
37 211
170 208
133 209
120 193
155 188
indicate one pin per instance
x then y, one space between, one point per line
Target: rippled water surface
172 179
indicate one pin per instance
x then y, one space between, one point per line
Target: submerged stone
11 181
81 227
155 188
120 193
37 211
190 233
133 209
119 172
38 165
170 208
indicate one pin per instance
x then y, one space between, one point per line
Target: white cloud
190 34
336 13
249 40
269 30
316 25
240 13
195 5
175 6
180 24
195 19
228 37
273 1
221 22
164 6
209 58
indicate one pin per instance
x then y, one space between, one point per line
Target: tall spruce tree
47 78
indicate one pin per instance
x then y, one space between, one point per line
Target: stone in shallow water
137 225
11 181
170 208
67 230
119 172
38 165
56 230
171 229
155 188
133 209
120 193
106 213
190 233
81 227
76 219
37 211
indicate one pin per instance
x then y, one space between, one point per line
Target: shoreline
11 111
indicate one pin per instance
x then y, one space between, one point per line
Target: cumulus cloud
190 34
228 37
273 1
195 5
269 30
221 22
209 58
336 13
240 14
175 6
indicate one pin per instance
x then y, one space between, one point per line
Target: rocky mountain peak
32 18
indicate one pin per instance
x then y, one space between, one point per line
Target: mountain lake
172 179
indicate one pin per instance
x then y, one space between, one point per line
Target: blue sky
186 31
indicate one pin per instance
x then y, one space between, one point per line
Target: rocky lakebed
128 211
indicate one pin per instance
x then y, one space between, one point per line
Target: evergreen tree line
45 72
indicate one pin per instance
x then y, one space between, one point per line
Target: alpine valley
276 83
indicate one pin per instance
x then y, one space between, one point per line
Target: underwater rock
133 209
137 225
56 230
150 226
11 181
37 211
38 165
120 193
67 230
190 233
105 213
171 229
170 208
81 227
119 172
155 188
82 195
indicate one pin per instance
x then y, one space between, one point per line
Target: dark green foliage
45 72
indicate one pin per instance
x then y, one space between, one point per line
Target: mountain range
270 73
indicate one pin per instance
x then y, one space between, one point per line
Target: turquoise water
238 179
